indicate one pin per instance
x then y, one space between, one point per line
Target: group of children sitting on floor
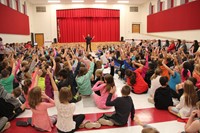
40 78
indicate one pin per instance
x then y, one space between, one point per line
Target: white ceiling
131 2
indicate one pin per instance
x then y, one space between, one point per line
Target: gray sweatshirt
9 98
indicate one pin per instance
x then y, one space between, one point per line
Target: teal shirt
7 83
174 80
84 83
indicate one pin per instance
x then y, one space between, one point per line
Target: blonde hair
35 97
190 93
197 69
156 73
65 94
198 104
98 72
24 63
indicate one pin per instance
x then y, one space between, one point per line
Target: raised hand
49 72
113 89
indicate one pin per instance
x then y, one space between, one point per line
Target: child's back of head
150 130
99 73
193 80
163 80
82 71
5 73
126 90
17 92
65 95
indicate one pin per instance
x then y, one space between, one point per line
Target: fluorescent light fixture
77 1
101 1
53 1
122 1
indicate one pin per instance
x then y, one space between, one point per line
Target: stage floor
94 45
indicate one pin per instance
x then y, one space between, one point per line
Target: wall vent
40 9
134 9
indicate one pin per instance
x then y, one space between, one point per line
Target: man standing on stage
88 41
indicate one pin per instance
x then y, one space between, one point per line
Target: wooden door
39 39
135 28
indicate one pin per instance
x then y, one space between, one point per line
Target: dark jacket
9 105
123 108
163 98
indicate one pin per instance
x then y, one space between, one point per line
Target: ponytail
186 66
185 71
133 78
131 75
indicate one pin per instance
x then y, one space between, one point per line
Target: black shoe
22 124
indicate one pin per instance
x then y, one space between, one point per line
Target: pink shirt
145 68
40 118
101 100
197 76
185 78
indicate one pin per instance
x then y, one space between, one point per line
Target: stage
94 45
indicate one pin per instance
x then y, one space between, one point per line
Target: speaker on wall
55 40
122 39
32 39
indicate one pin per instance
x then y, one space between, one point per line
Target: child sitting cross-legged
193 124
123 108
104 88
187 101
66 122
162 97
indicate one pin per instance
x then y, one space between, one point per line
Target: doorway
39 39
135 28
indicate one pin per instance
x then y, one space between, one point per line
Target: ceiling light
53 1
101 1
121 1
77 1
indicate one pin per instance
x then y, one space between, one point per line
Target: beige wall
46 22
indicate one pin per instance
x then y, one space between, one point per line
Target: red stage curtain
101 23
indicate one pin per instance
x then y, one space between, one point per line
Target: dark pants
8 110
78 119
88 44
109 117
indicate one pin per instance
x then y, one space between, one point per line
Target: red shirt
140 86
171 47
28 46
